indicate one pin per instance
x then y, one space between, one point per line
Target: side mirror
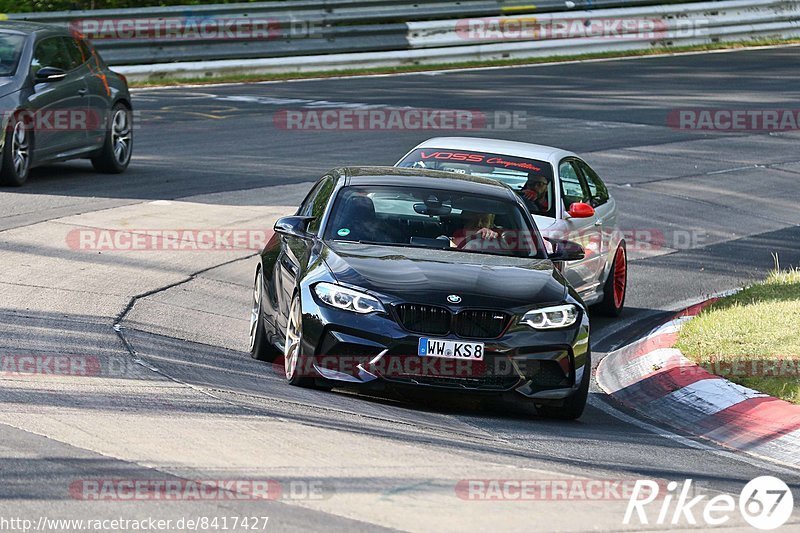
564 250
50 75
581 210
294 227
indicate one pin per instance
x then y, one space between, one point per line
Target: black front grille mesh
550 375
427 319
480 324
488 383
433 320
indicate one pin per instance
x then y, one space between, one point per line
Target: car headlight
558 316
347 299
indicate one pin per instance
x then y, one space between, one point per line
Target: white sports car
572 204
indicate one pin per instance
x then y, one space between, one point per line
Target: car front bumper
364 349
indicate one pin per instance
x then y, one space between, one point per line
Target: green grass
241 78
758 328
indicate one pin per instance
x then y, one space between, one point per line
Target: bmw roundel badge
454 299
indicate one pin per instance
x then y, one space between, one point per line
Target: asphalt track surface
182 400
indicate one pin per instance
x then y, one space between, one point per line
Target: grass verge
244 78
752 338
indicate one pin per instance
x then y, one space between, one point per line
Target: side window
86 50
597 188
571 188
10 52
50 52
308 202
74 52
319 204
315 202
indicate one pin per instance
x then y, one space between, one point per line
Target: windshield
10 51
531 178
431 218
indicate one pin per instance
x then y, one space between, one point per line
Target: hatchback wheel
16 154
115 156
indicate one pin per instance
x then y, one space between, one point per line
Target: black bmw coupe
404 277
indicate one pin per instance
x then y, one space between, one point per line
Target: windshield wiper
408 245
378 243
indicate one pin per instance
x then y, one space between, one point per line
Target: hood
428 276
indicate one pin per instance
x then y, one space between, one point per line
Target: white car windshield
530 178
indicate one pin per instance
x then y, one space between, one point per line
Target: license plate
472 351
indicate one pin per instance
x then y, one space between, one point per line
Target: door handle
83 92
598 222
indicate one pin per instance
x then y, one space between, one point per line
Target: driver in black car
476 226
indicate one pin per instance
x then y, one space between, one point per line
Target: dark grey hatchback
59 101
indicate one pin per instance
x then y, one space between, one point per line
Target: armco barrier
302 27
659 23
317 35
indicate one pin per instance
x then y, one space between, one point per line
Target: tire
293 358
115 156
573 406
616 286
260 347
16 156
